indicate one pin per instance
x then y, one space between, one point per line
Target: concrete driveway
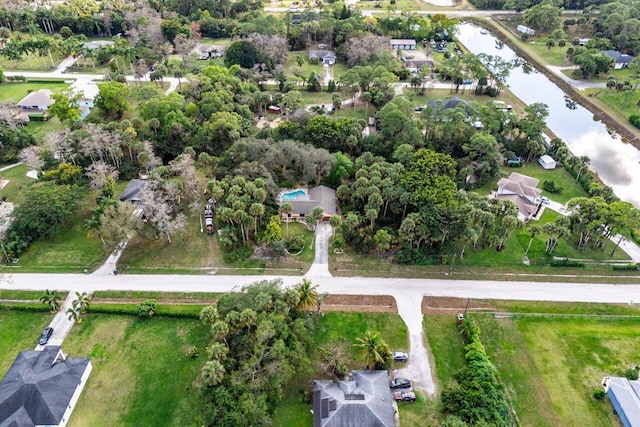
320 266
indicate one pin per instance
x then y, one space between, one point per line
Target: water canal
617 163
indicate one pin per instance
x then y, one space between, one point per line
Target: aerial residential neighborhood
305 213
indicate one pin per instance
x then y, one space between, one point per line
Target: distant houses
323 56
403 44
209 51
619 59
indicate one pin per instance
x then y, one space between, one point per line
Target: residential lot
19 330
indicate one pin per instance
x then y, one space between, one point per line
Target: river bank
503 34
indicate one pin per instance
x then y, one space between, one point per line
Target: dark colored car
405 396
45 335
400 383
400 356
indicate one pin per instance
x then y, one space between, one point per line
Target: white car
400 356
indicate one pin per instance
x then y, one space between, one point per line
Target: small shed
274 109
547 162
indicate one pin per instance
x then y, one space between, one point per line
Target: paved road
578 84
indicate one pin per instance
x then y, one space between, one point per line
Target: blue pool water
292 195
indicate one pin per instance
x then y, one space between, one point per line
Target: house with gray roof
404 44
620 60
38 101
624 395
303 201
438 105
363 401
41 388
323 56
133 190
208 51
522 191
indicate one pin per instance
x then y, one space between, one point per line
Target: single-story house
133 190
404 44
624 395
84 112
327 57
42 388
363 401
303 201
296 19
38 101
97 44
453 102
415 65
208 51
620 60
522 191
547 162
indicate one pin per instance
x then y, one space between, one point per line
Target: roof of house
627 394
402 41
97 44
206 48
415 63
39 97
618 57
322 196
321 54
364 401
38 387
448 103
525 191
133 190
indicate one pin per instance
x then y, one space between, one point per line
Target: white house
404 44
39 100
620 60
547 162
208 51
525 30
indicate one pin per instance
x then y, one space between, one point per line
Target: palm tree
534 230
257 210
335 221
584 161
83 302
286 209
374 351
52 299
212 372
307 295
74 313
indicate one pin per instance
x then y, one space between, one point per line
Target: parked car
545 200
45 335
400 383
404 396
400 356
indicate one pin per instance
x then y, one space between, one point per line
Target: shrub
239 253
295 244
551 187
626 267
632 373
192 352
565 262
634 119
146 308
599 394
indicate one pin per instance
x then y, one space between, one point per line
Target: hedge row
626 267
478 395
565 262
24 306
190 311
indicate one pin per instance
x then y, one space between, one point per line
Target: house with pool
303 200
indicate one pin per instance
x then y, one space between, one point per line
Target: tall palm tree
286 209
52 299
74 313
307 294
374 351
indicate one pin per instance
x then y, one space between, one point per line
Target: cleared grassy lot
16 91
141 372
19 330
293 412
550 365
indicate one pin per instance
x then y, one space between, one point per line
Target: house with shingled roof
41 388
522 191
363 401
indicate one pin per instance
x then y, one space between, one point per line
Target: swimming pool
292 195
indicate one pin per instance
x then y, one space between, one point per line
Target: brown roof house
39 100
522 191
364 401
304 200
41 388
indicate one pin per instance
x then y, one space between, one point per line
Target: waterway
617 163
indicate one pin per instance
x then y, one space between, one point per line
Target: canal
617 163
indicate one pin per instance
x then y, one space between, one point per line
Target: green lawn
32 62
19 330
293 412
189 252
71 251
14 92
17 177
625 103
297 229
141 372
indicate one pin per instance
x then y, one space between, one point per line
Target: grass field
14 92
32 62
550 365
293 412
71 251
141 372
19 330
17 177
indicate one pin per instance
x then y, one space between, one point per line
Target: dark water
617 163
